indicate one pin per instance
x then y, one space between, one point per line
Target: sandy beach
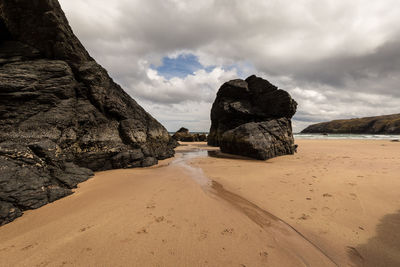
334 203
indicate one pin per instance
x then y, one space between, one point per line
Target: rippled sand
336 202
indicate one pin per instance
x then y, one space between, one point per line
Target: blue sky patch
181 66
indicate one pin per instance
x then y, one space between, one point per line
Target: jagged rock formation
184 135
387 124
252 118
61 115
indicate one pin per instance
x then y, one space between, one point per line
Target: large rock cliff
61 115
252 118
387 124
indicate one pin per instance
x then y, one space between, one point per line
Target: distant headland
386 124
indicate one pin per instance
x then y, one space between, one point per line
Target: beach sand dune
336 202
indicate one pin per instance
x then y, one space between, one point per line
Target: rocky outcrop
184 135
387 124
252 118
61 116
260 140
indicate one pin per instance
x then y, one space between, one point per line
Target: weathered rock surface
387 124
61 116
252 118
260 140
184 135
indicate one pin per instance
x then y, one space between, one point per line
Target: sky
337 58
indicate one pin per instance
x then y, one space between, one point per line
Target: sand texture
334 203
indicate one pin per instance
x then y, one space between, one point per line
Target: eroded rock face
61 116
252 118
260 140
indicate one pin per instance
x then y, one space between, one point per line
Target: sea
337 136
348 136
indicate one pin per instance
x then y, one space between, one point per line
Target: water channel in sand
286 237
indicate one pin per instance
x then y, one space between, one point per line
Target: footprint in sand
159 219
7 248
85 228
176 226
150 206
304 217
142 231
42 264
227 231
30 246
353 196
313 210
327 195
203 235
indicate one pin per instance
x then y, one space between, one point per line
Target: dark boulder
61 115
202 137
252 118
260 140
184 135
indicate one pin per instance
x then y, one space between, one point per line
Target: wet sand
335 202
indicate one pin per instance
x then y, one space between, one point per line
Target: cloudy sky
337 58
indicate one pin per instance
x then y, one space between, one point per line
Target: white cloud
202 86
181 102
338 58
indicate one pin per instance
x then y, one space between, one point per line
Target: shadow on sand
219 154
384 248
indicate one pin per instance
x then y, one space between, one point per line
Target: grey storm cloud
338 58
377 71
